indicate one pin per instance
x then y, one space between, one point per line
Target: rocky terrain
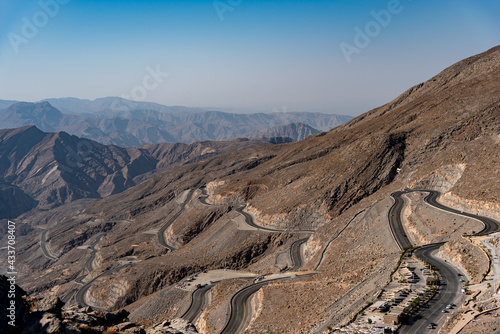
44 170
131 124
46 315
139 246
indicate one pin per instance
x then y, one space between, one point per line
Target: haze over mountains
127 123
139 247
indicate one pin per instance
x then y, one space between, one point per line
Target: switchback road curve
239 309
449 276
95 239
80 294
394 216
43 246
198 296
161 232
490 225
446 293
197 303
295 254
248 218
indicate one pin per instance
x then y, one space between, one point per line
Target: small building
392 318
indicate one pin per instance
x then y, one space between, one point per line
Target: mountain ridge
50 169
127 127
442 134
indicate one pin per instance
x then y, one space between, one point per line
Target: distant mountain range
128 123
48 169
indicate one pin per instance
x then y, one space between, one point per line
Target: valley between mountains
271 236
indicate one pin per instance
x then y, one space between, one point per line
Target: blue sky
249 56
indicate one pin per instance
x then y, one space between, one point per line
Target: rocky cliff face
49 169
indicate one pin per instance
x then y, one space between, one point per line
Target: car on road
430 326
444 311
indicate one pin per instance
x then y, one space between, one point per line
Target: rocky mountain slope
107 123
331 188
49 169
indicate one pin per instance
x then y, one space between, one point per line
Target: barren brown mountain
443 134
49 169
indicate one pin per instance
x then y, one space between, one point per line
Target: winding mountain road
204 196
295 254
80 294
250 222
248 218
43 246
161 232
447 293
490 225
94 240
395 223
198 296
239 307
449 275
240 315
197 303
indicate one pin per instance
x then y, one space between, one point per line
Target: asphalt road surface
239 309
197 303
161 232
80 294
248 218
204 196
490 225
240 315
295 254
446 293
449 276
90 260
43 246
395 223
250 222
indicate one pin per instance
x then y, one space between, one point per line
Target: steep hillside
331 189
49 169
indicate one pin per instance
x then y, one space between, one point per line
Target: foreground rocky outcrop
46 315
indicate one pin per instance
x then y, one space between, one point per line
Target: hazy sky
342 57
